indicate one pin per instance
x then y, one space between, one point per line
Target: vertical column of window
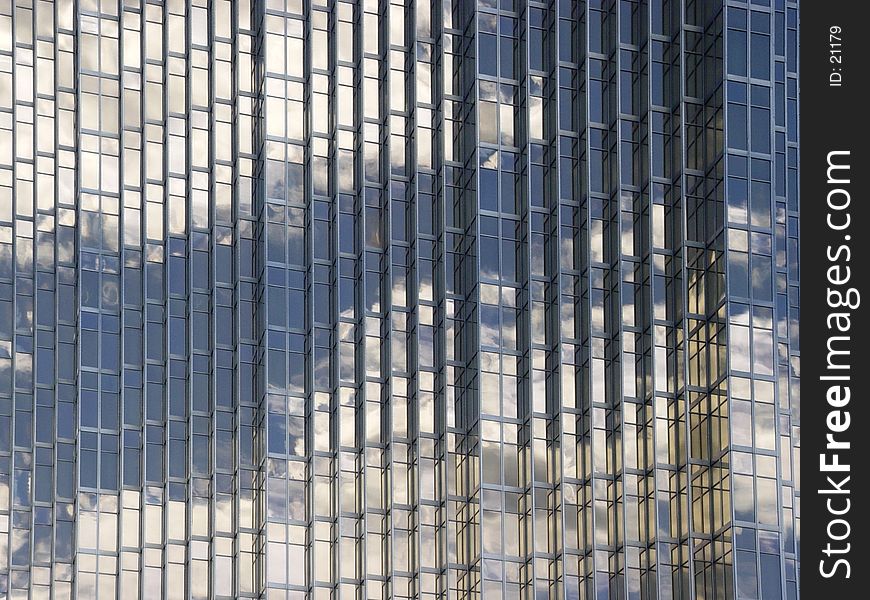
347 538
782 237
350 355
270 208
447 226
597 106
346 312
533 55
461 206
180 504
425 293
8 192
354 234
255 498
428 283
281 244
605 375
673 403
772 352
634 312
268 166
100 295
662 279
342 466
617 136
45 381
549 307
704 538
237 83
562 312
407 409
699 386
18 412
660 97
739 214
43 346
373 463
131 40
203 422
561 330
263 174
739 220
588 41
66 259
155 295
235 368
787 265
689 392
539 58
633 249
755 355
505 412
346 534
332 472
632 180
403 395
8 275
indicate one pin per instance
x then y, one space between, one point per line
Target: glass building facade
382 299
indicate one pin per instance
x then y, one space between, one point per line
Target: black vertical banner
835 299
